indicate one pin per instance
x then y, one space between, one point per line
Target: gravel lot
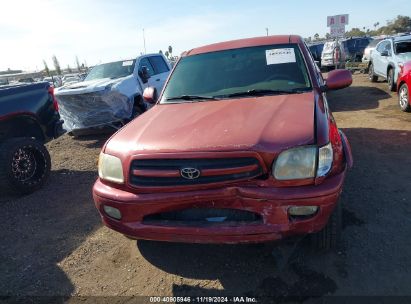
53 243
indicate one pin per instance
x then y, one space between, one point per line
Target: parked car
70 78
241 147
328 55
387 58
352 49
316 51
404 85
368 50
111 93
4 81
26 80
336 53
28 118
55 81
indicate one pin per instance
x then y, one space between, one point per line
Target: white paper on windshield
278 56
128 63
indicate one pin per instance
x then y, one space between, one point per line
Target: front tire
404 98
329 238
24 165
390 80
371 76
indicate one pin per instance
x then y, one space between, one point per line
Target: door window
145 62
159 65
382 46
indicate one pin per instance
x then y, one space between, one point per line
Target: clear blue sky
103 30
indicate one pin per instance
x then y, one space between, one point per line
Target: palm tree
375 25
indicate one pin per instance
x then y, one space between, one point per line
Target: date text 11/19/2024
203 300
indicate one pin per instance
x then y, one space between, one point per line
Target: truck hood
88 86
261 124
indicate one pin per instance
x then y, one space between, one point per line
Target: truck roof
401 38
241 43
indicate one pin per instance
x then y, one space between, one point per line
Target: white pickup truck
111 94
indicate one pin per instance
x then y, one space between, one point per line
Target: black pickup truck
28 119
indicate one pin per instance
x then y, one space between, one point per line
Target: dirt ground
52 243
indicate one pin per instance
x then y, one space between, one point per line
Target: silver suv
386 59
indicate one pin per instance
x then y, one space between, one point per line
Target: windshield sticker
128 63
278 56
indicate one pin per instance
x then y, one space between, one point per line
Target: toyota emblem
190 173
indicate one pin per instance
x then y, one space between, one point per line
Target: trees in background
56 65
46 68
169 53
401 24
78 64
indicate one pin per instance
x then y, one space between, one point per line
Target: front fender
347 150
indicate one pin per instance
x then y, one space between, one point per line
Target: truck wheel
329 238
404 98
371 76
24 165
390 80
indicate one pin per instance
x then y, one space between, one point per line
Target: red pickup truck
240 147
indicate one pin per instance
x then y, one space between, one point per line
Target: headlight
110 168
300 163
325 159
297 163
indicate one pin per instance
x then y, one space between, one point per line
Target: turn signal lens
325 159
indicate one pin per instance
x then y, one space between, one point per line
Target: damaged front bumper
89 110
263 212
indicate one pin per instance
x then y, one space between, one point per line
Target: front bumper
271 203
93 109
327 62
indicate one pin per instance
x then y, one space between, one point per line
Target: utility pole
144 40
266 29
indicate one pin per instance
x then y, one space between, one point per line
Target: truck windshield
111 70
260 70
403 47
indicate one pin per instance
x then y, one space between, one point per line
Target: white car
71 79
387 58
111 94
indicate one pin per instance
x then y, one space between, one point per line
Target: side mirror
338 79
384 53
150 95
143 73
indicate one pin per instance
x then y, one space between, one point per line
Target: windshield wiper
191 97
260 92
